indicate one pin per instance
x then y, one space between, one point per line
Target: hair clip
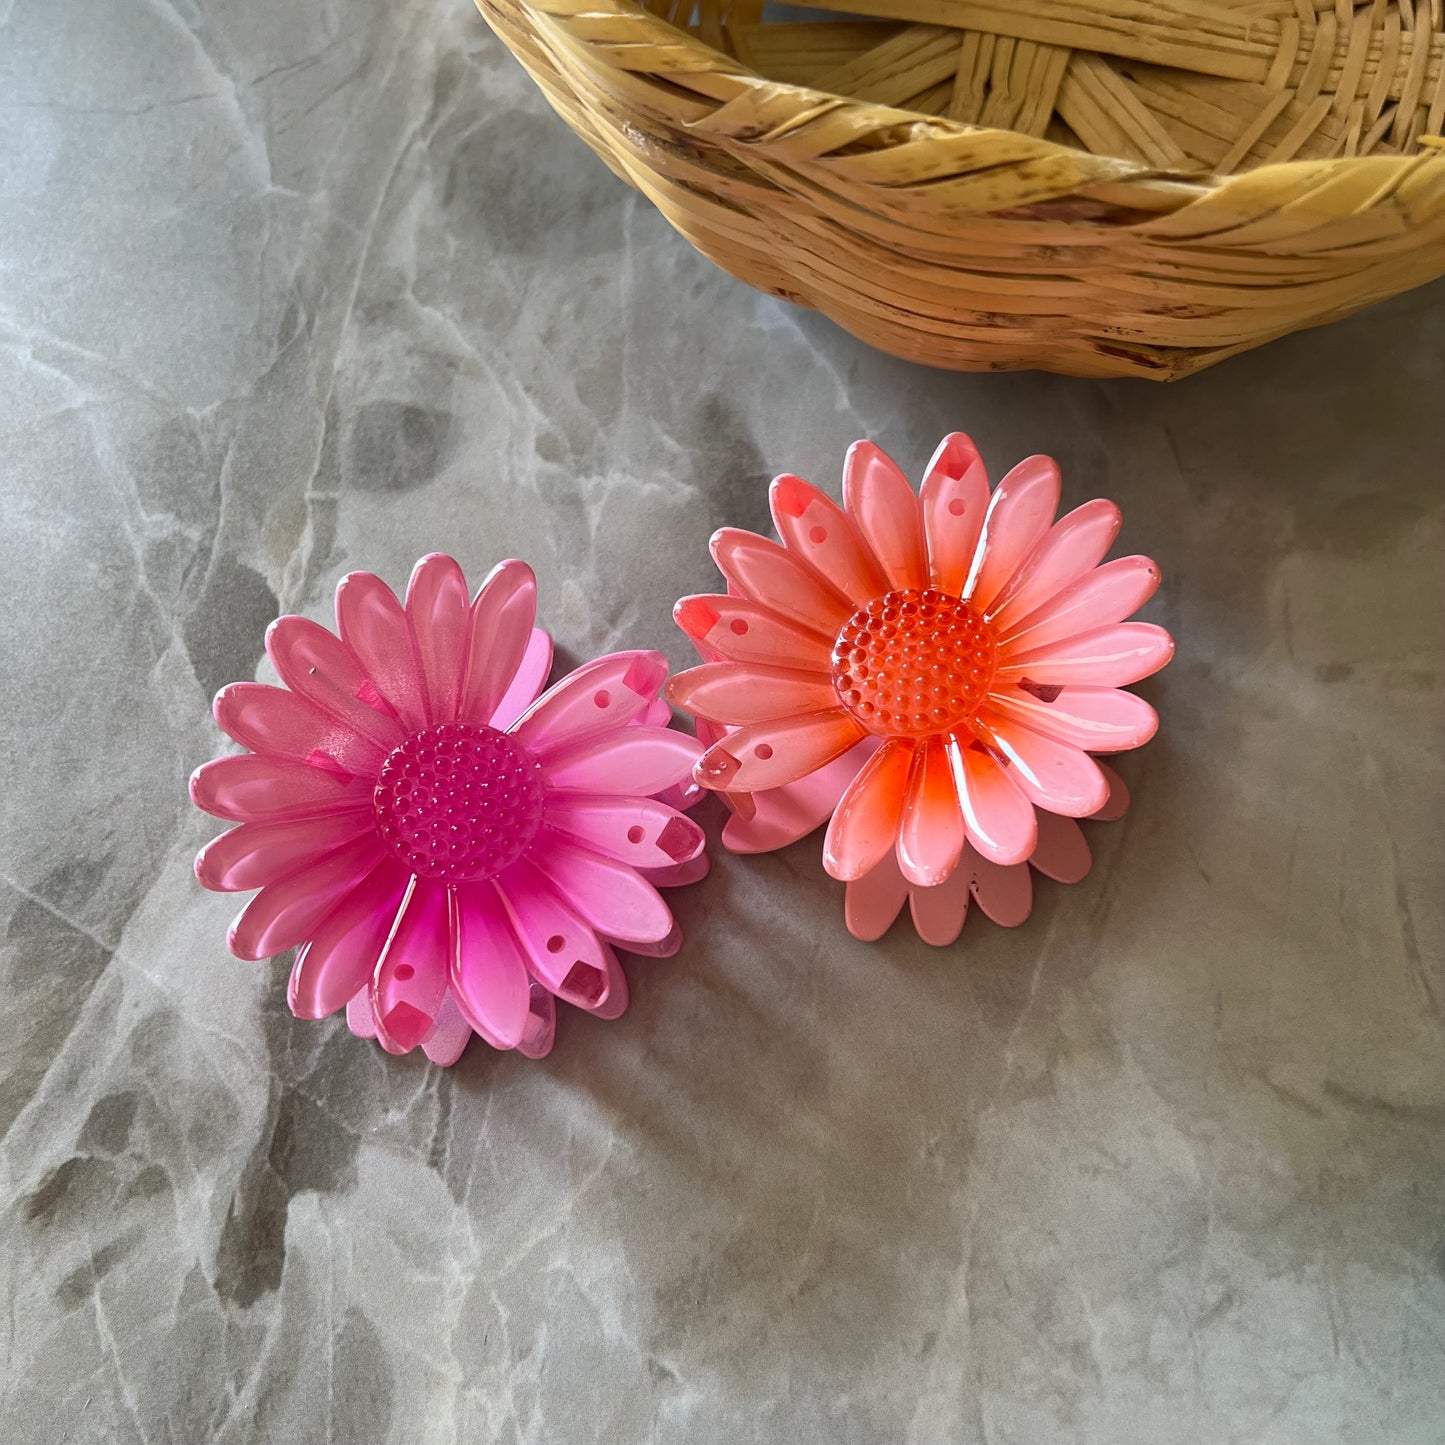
452 847
927 674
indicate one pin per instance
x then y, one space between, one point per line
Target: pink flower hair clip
451 851
929 675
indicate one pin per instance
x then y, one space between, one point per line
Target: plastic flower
450 850
957 656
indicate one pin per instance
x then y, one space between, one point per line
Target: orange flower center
913 663
459 804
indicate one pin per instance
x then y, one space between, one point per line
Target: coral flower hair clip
930 674
452 847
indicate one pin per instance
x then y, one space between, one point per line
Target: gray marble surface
287 289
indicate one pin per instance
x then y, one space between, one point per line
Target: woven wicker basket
1097 187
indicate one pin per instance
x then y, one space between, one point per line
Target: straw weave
1096 187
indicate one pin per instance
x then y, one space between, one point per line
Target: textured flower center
459 803
912 663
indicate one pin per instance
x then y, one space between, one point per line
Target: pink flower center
457 803
913 663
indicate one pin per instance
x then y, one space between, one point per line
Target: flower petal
1118 803
249 789
275 723
450 1037
410 981
1053 775
783 815
637 761
374 626
488 968
598 697
563 953
744 631
816 529
1004 892
1018 516
746 692
317 665
1097 719
886 512
527 685
501 633
635 830
864 827
342 955
872 902
359 1017
256 854
288 911
930 832
607 895
1107 657
1073 547
954 501
1105 596
768 574
1062 852
998 818
541 1031
767 755
939 912
436 607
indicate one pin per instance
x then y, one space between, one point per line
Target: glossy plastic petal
317 665
450 1037
1108 657
273 722
488 967
887 514
598 697
1019 514
342 955
939 913
527 685
248 789
783 815
954 501
563 952
256 854
501 628
436 607
541 1030
814 528
872 902
744 631
865 826
1073 546
930 833
743 692
373 624
1097 719
1105 596
607 895
288 911
766 573
998 818
410 981
638 761
638 831
767 755
1050 774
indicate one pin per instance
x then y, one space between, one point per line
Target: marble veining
287 290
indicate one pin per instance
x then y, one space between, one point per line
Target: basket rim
1117 180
